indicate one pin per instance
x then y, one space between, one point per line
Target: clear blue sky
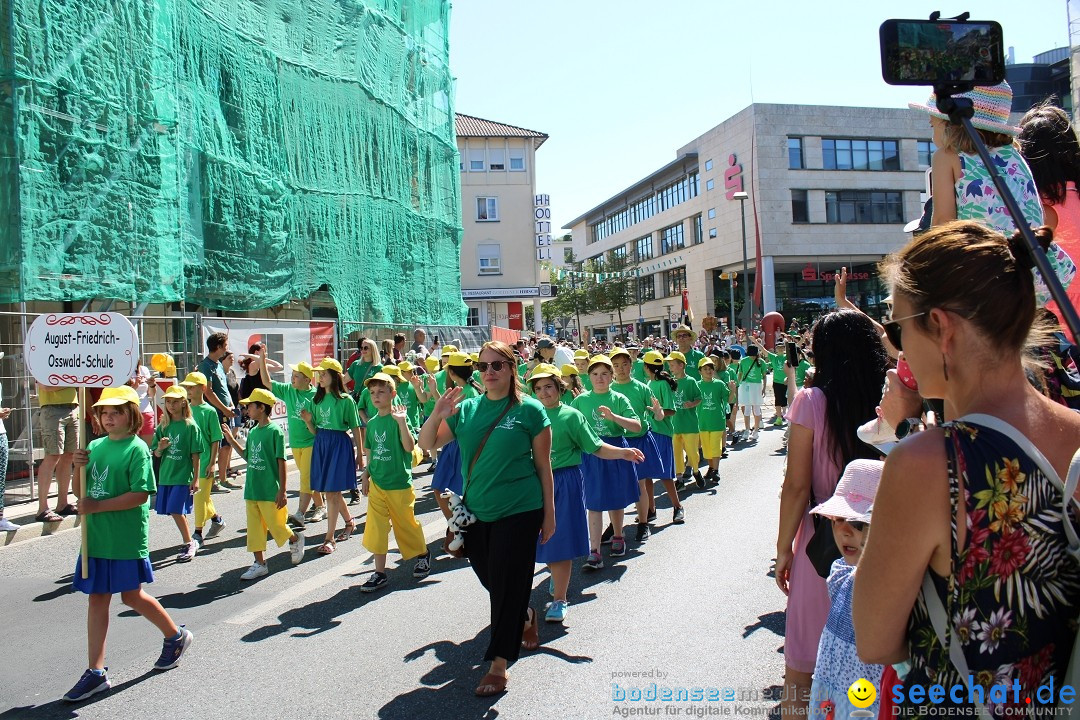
619 85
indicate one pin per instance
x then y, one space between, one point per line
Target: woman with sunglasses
823 421
505 442
968 518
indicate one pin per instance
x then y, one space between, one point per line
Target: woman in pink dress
850 362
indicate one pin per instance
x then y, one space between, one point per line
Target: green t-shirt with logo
504 481
637 370
265 446
206 418
184 441
295 402
440 383
360 371
640 397
115 468
571 435
800 373
588 404
388 463
663 392
685 420
777 361
365 404
406 393
335 413
692 359
751 370
712 412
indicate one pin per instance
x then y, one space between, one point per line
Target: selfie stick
960 110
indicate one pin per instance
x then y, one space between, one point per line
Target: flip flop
327 547
530 639
491 684
68 509
48 517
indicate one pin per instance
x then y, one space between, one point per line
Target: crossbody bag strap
480 447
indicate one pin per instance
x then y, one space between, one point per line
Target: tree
618 286
571 299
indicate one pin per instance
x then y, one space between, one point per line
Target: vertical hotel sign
542 226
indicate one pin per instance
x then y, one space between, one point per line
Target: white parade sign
82 350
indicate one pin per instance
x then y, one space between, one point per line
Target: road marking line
433 530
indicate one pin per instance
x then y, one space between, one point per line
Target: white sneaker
215 528
257 570
296 550
7 526
319 515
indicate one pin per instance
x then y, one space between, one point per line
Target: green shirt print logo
380 452
324 415
174 447
679 400
256 461
97 490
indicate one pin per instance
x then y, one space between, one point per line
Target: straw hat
992 106
855 492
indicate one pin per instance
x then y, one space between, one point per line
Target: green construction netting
233 153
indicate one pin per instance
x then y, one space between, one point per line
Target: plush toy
460 518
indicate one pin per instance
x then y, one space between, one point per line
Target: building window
517 159
496 159
800 207
864 207
708 165
710 184
490 259
794 153
598 263
699 235
644 249
712 213
487 209
646 287
712 232
674 282
671 239
476 160
677 192
568 255
473 318
849 154
644 208
926 152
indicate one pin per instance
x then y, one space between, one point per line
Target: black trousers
502 554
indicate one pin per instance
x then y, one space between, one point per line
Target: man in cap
685 338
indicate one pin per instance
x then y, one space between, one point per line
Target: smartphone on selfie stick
954 55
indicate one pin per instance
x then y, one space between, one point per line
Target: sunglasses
893 330
856 525
496 365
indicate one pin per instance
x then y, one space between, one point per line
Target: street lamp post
742 197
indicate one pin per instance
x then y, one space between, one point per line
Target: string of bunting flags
561 274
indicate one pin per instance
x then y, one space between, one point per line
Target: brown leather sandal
530 639
491 684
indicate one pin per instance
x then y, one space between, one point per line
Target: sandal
530 639
491 684
48 517
327 547
345 533
68 509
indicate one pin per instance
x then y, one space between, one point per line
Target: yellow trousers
204 503
388 508
712 443
302 456
688 443
263 515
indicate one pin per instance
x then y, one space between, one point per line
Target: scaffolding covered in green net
231 153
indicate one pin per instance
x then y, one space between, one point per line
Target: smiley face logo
862 693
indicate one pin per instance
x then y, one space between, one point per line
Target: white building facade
824 187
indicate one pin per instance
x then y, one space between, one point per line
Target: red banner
516 319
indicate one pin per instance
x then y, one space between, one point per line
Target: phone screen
792 354
930 52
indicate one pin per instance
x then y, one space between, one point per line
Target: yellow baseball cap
390 370
544 370
460 359
569 369
431 363
382 377
405 366
653 357
705 361
475 357
118 396
195 378
175 391
581 354
676 355
304 368
619 351
600 360
329 363
260 395
447 349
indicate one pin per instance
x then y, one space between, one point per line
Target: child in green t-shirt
178 442
685 440
387 483
264 489
210 430
712 418
116 513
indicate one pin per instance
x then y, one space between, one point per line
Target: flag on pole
687 313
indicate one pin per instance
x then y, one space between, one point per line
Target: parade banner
81 350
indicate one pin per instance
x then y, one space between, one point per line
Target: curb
33 530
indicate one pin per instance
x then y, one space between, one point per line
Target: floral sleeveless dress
1014 591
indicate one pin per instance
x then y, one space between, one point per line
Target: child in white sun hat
838 665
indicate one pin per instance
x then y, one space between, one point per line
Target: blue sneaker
556 612
172 649
89 684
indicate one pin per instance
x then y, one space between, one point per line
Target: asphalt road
696 607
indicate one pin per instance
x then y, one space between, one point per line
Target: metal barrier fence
174 335
465 338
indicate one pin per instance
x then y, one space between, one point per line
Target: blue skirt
174 500
571 538
666 456
609 484
333 462
447 474
108 577
653 467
